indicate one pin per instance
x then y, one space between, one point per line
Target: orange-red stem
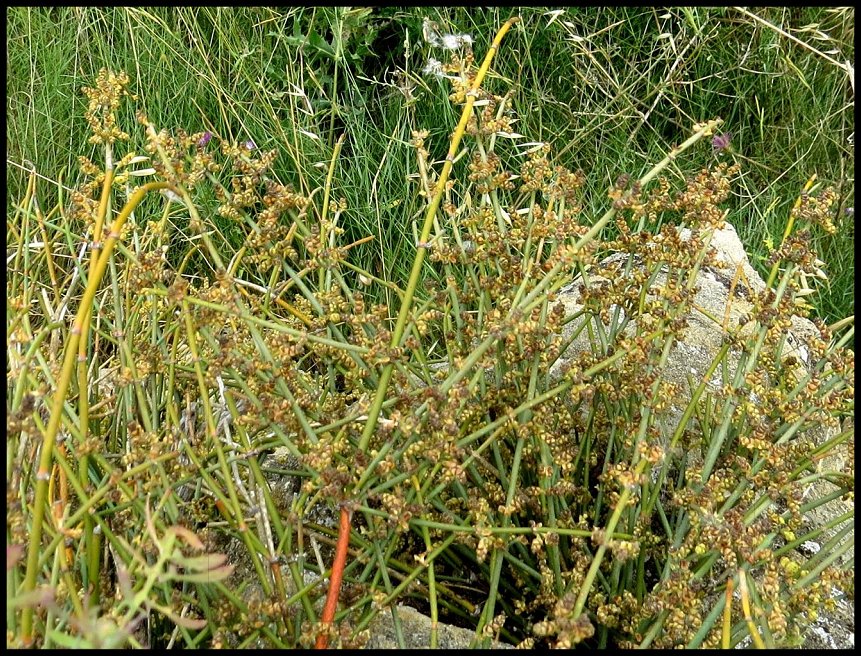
335 580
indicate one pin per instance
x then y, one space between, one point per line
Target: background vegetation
612 88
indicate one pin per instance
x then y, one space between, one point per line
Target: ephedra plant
154 369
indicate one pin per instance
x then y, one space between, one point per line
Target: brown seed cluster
536 172
178 159
464 76
486 174
492 119
104 100
567 630
816 210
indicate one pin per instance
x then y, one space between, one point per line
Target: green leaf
67 641
320 43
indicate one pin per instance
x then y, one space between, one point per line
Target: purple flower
250 145
205 139
850 211
721 141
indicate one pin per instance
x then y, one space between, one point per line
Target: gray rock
416 630
690 359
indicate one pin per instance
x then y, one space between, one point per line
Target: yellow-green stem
704 130
233 510
431 575
374 413
90 539
324 212
50 436
788 230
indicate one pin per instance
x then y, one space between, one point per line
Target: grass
612 88
433 471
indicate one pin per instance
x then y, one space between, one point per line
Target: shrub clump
542 508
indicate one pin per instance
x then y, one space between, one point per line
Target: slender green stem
586 586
